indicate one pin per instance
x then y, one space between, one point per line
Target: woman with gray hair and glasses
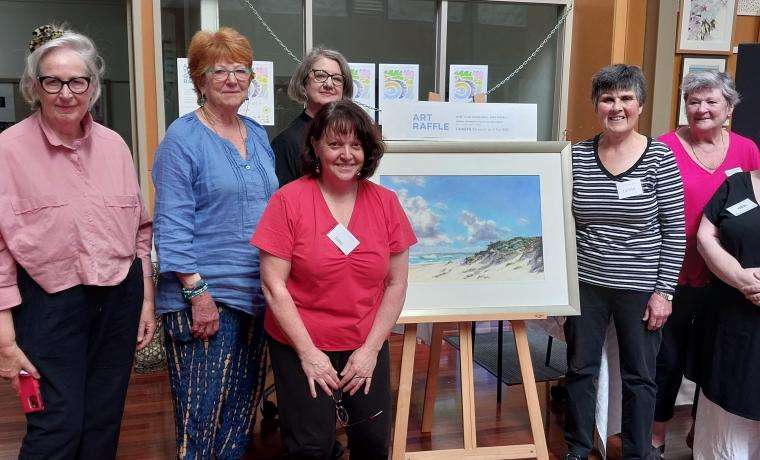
76 296
628 208
706 153
322 77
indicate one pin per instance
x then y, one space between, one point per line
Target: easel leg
431 382
531 393
404 392
468 386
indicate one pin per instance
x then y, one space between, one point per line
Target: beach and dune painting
472 228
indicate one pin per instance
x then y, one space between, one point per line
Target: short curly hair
619 77
207 48
343 117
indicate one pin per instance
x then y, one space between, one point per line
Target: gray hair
74 41
711 79
297 86
619 77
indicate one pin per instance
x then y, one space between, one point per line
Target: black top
731 342
287 147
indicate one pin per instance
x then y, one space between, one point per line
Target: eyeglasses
342 414
54 85
241 74
320 76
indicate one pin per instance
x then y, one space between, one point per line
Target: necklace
708 167
213 125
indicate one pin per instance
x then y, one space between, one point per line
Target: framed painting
495 230
706 26
696 64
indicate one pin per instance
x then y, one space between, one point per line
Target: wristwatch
665 295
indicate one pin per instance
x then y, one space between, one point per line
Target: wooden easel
536 450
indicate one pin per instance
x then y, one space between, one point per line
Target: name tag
629 188
342 238
732 171
741 207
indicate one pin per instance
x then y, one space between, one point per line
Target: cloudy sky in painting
465 213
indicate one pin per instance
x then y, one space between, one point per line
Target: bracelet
199 288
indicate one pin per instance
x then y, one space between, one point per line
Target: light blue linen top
208 203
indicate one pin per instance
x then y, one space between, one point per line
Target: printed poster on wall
465 81
364 85
399 82
260 103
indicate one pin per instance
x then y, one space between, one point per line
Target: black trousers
308 424
638 347
677 349
82 341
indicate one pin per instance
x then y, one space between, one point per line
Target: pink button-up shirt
69 216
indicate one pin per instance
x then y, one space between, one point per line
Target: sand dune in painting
516 259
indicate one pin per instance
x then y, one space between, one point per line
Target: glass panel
180 19
475 27
105 22
381 31
285 17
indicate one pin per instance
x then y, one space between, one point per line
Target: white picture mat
689 64
720 37
497 297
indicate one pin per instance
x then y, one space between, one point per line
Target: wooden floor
148 427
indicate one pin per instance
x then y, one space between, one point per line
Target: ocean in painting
474 227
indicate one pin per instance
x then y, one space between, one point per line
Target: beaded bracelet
199 288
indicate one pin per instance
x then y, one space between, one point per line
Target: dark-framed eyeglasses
342 414
320 76
54 85
241 74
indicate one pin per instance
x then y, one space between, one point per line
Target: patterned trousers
216 384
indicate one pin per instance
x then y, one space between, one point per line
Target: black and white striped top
637 242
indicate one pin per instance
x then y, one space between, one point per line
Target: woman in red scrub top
334 261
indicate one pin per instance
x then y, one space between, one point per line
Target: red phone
29 393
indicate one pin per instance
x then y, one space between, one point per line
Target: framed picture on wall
696 64
706 26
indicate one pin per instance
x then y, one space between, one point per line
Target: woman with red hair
213 174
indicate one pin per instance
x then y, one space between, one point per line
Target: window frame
210 20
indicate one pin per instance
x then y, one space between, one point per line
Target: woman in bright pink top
706 154
74 252
334 262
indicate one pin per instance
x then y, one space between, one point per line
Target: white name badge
342 238
629 188
732 171
741 207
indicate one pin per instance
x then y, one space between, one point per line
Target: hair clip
44 34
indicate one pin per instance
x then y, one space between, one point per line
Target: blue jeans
216 385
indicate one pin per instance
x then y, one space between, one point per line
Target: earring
317 168
202 100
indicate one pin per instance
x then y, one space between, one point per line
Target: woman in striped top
629 217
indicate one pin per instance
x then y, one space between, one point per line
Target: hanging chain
271 32
543 43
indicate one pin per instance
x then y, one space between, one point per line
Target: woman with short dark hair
213 173
628 208
334 262
322 77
